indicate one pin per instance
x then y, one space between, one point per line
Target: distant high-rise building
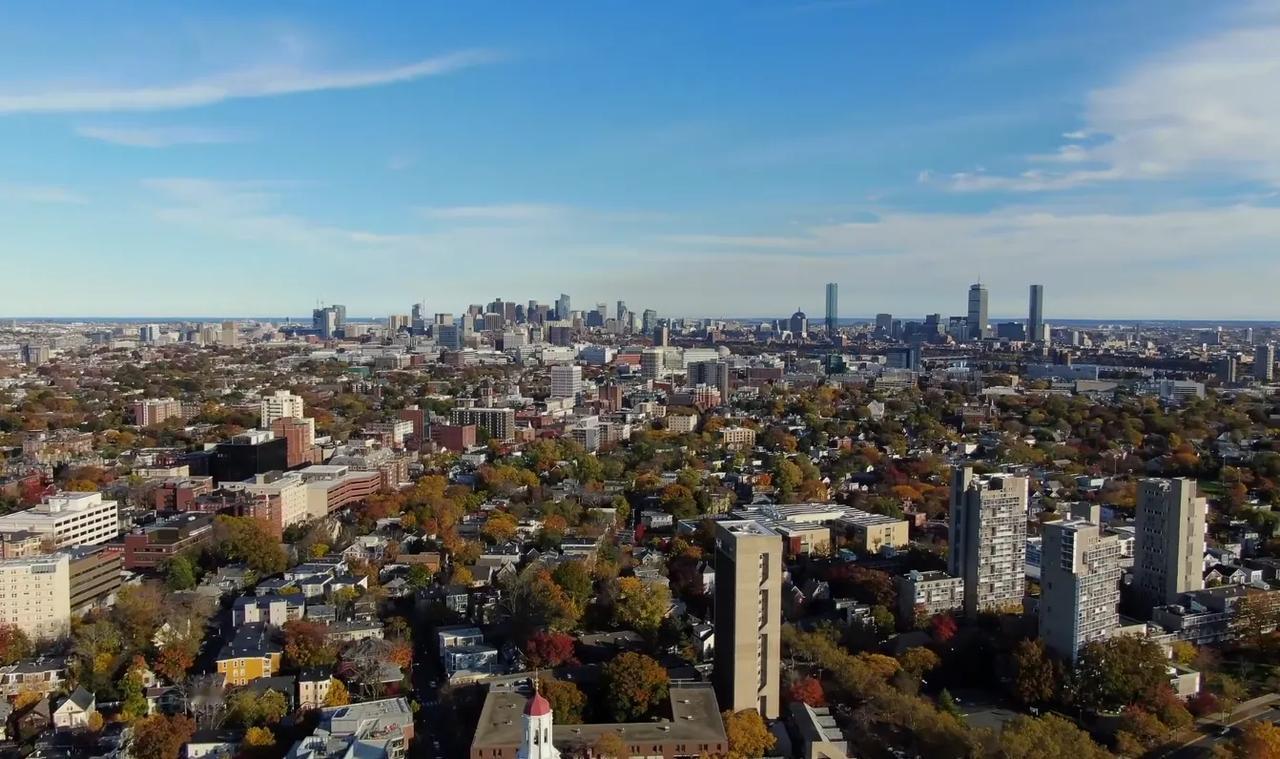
1035 315
1264 361
977 318
397 322
1168 549
1228 366
988 539
1079 582
748 617
562 307
648 321
799 324
566 381
281 404
661 335
832 308
717 374
418 317
449 336
651 363
325 322
622 310
339 316
230 334
149 333
35 355
884 325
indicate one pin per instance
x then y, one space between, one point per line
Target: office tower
281 404
1248 335
339 316
1035 315
988 539
908 357
325 322
566 381
148 333
799 324
884 325
562 307
748 616
1168 550
832 308
648 321
1079 582
229 335
418 317
661 335
1264 360
449 336
977 318
1227 368
68 519
622 310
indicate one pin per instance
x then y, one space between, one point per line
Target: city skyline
378 161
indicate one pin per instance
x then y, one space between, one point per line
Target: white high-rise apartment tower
281 404
566 381
1079 582
988 539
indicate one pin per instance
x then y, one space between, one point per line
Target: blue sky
706 159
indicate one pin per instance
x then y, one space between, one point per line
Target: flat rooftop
695 718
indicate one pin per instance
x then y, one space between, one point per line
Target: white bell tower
538 724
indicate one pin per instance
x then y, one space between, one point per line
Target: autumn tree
1047 737
306 645
15 645
748 736
918 660
640 606
500 527
567 700
610 746
546 650
161 736
635 685
1036 677
338 695
807 690
245 539
1258 740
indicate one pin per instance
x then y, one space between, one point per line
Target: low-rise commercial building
68 519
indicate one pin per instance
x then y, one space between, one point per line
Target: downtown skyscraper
1035 315
832 309
977 317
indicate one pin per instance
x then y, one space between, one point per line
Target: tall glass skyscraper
832 309
977 319
1035 317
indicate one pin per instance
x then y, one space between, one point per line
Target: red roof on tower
537 706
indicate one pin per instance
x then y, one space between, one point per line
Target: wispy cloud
1203 109
253 83
39 193
504 212
160 137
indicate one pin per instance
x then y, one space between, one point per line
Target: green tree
15 645
1119 671
180 573
574 577
245 539
634 686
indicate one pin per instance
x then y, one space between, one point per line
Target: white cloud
252 83
39 193
504 212
1204 109
159 137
